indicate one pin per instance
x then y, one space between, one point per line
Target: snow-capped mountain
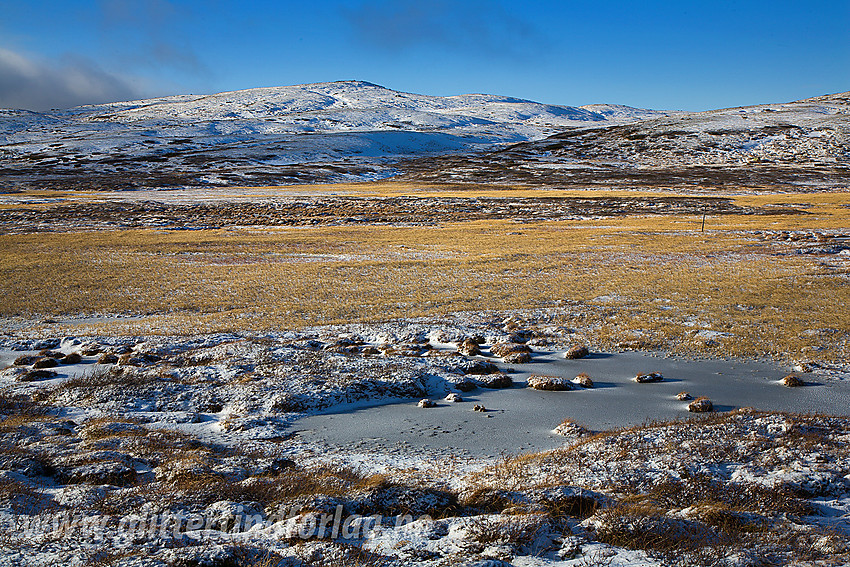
259 135
354 130
348 106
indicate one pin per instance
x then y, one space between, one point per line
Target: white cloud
35 84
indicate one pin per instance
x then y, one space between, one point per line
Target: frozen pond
520 419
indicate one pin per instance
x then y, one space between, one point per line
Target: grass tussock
709 536
719 500
516 530
675 541
99 378
19 409
195 479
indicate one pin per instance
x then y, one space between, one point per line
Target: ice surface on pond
520 419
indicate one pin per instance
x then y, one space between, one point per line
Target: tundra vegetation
236 320
767 277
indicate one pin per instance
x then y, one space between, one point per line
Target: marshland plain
221 330
763 275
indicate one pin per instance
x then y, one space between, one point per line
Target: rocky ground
317 211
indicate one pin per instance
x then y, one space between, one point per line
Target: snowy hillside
342 130
802 143
351 130
811 130
349 106
622 112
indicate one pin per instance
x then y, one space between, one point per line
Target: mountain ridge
794 145
247 136
356 130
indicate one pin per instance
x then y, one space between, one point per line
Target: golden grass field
661 275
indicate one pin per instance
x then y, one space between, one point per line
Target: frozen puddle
520 419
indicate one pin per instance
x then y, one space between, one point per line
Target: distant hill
797 144
335 131
622 112
354 130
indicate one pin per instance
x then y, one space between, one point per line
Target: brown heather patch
107 427
199 484
93 381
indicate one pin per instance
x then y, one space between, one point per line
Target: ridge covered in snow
623 112
346 106
252 136
804 143
353 130
810 130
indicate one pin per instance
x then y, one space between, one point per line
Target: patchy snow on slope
348 106
812 132
624 113
247 136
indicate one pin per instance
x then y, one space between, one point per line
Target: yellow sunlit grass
658 275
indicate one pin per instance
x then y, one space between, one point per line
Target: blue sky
657 54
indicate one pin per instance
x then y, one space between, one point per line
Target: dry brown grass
219 280
198 483
19 410
516 529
